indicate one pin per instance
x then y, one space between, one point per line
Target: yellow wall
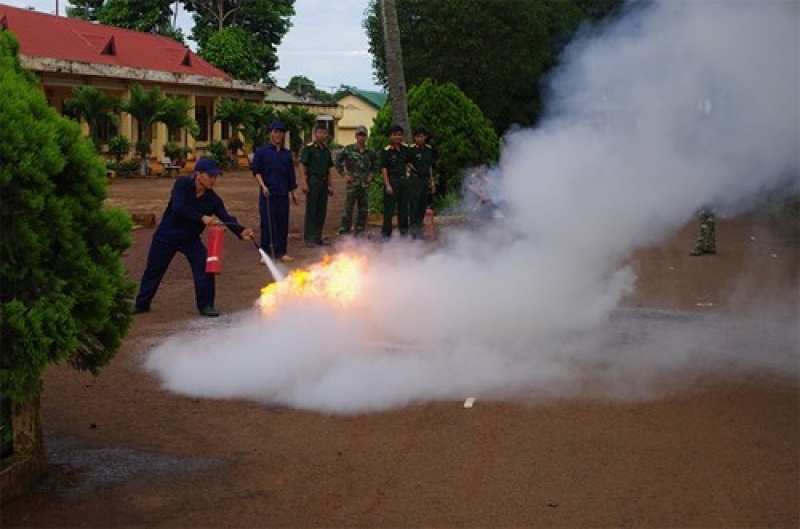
355 112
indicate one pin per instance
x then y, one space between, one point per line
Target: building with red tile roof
66 53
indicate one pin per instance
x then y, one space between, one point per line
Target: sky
674 106
326 42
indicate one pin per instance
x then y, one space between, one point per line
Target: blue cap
277 125
206 165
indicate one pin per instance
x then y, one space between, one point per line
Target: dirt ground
125 453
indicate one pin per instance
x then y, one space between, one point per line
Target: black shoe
210 312
139 310
344 232
323 243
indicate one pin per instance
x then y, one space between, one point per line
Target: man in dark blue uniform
192 206
273 168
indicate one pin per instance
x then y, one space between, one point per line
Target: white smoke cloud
678 105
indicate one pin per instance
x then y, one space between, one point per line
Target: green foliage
304 88
92 106
218 152
65 296
265 21
125 167
119 147
233 50
175 151
461 134
150 16
85 9
495 51
174 114
298 121
256 128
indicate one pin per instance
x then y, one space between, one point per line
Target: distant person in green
394 167
358 164
316 163
707 237
421 158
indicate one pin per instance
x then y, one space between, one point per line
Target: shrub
65 296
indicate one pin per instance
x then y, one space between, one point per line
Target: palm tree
236 113
256 128
93 107
394 66
148 107
175 115
298 120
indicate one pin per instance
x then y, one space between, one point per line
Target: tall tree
303 87
92 106
149 16
266 21
175 115
237 114
233 50
395 77
147 107
498 60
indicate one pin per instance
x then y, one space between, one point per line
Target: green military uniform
707 237
421 159
361 165
317 160
394 160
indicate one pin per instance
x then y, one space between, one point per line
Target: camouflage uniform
361 166
707 238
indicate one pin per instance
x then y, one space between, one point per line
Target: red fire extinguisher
428 230
216 234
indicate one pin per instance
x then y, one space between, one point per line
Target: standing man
273 168
192 206
421 158
357 163
394 161
315 170
707 234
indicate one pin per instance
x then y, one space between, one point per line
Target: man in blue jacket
192 206
273 169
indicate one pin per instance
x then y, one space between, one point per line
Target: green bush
65 295
461 135
119 147
218 151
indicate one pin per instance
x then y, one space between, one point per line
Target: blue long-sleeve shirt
276 168
182 220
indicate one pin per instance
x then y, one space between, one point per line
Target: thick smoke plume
674 106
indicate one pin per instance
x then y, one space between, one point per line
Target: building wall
355 111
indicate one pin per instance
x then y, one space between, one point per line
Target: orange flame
336 279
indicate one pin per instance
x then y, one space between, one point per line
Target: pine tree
64 295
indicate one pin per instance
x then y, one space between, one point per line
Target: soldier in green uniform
358 164
421 158
707 237
315 173
394 167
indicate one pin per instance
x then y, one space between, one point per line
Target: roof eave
49 64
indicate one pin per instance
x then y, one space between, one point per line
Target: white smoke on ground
677 105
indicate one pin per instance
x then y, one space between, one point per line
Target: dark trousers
158 259
399 200
316 208
417 198
274 224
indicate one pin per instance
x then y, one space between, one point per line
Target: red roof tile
70 39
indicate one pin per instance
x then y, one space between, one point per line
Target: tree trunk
394 67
